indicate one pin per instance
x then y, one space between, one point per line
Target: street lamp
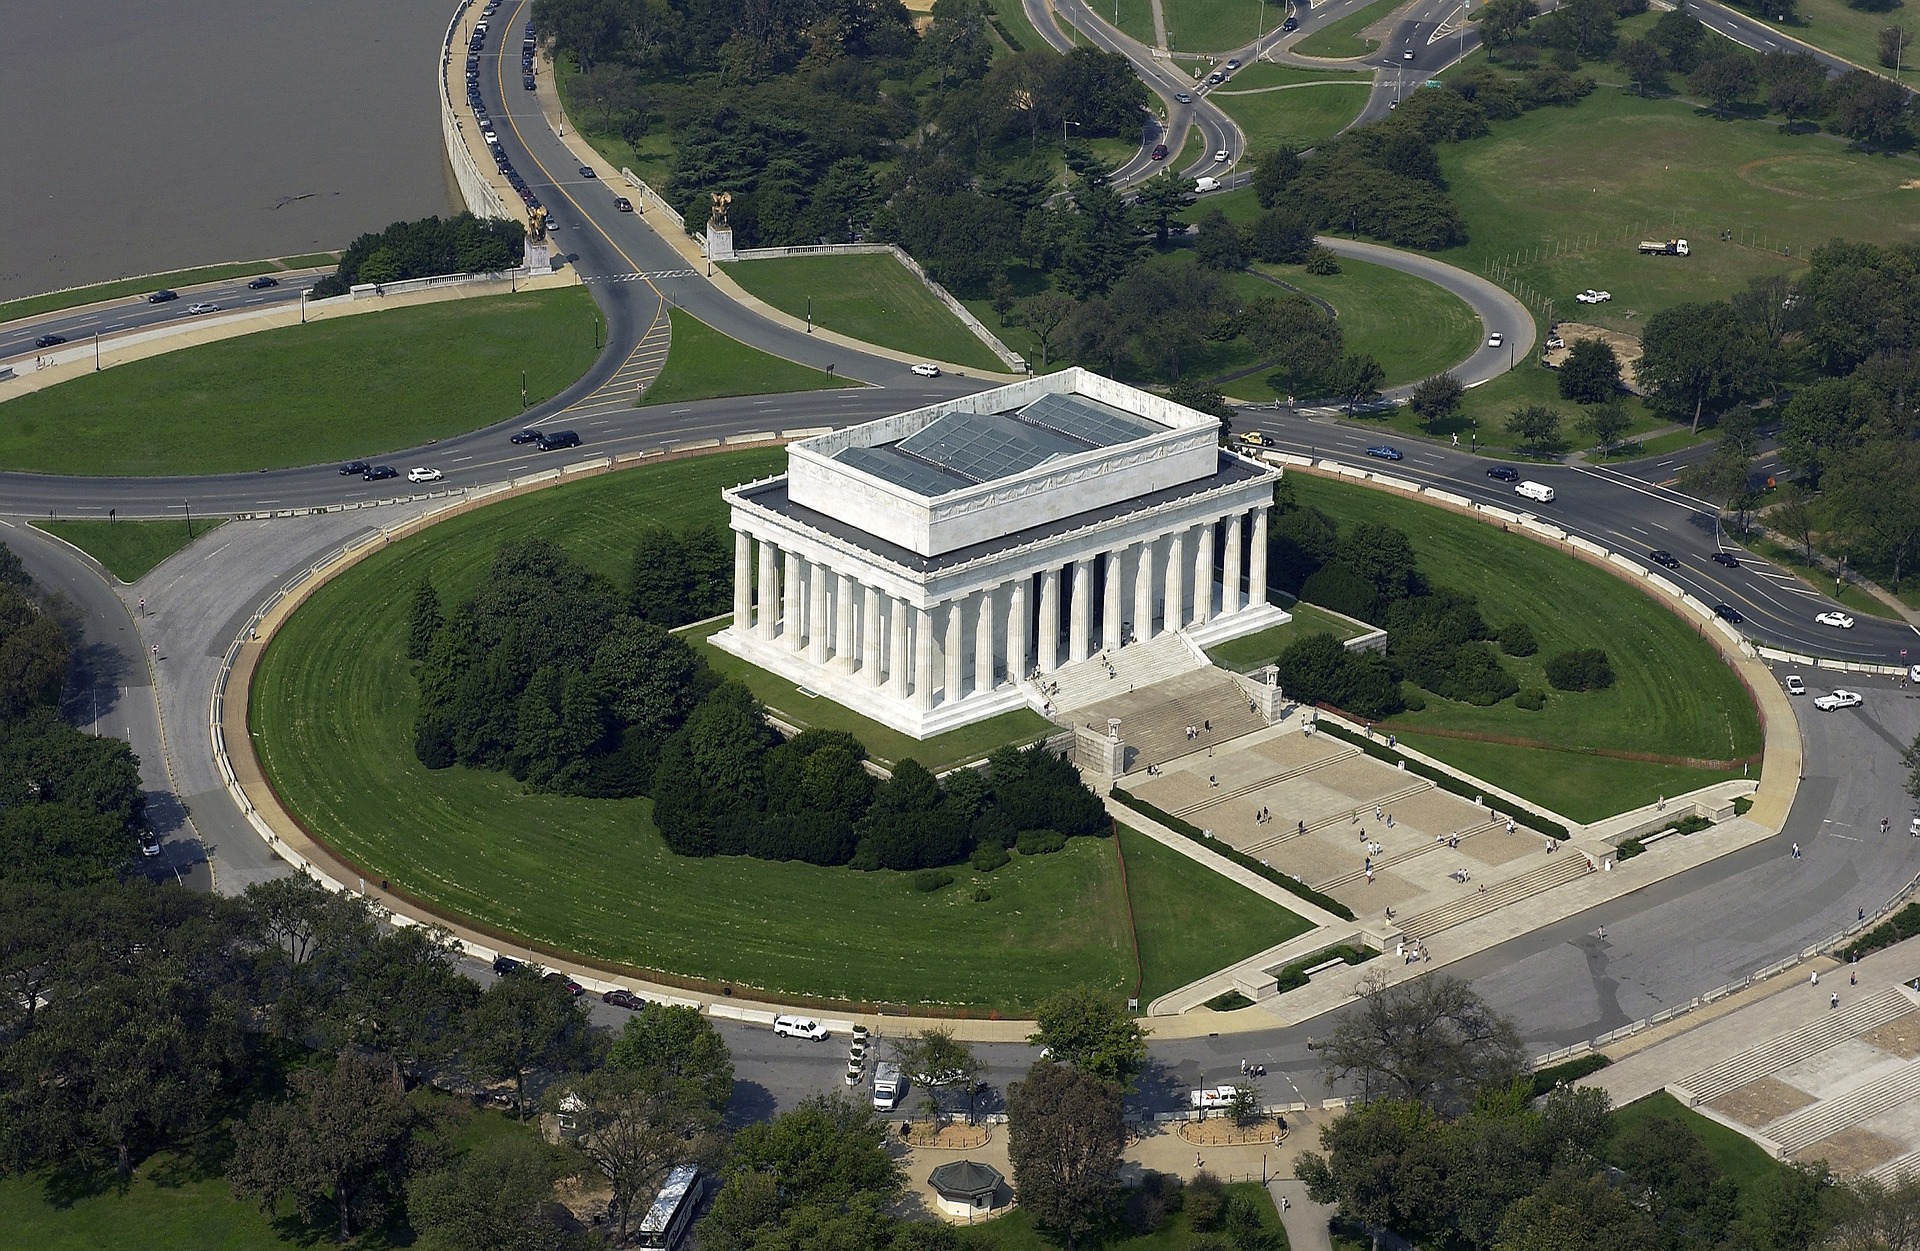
188 505
1064 123
809 314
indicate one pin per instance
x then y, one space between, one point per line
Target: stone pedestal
719 242
1268 696
539 257
1101 757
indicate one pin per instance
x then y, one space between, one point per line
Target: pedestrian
1834 1000
1389 912
1369 877
156 651
1196 1159
1859 914
143 605
1243 1068
1389 820
1853 977
1603 931
1379 815
1815 980
1796 851
1661 804
1209 727
1393 740
1509 826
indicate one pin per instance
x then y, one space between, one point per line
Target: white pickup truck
1210 1097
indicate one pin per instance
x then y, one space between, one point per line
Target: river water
148 135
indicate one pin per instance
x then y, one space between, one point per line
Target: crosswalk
651 275
622 391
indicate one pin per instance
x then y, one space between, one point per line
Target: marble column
845 616
898 675
923 659
1203 575
955 651
1176 609
1143 590
818 632
790 603
1017 626
983 679
1048 649
870 637
1230 583
1257 562
1078 626
1110 636
742 582
769 617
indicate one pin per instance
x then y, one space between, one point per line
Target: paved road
78 326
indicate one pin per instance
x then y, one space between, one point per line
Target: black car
1290 25
50 340
526 436
377 472
1664 559
358 466
527 82
162 296
503 965
1725 558
586 171
1504 473
1728 613
263 282
623 999
553 440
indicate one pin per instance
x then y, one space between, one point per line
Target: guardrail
653 199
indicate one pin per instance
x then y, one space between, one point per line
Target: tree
1160 199
1298 336
338 1140
1882 1216
497 1196
1645 64
1605 423
638 1123
1432 1040
825 1157
939 1063
1044 313
1675 1180
1087 1030
1876 501
1537 425
33 655
1064 1138
1591 372
678 1042
1437 398
1357 378
1218 244
1501 21
1893 43
405 997
1272 173
1576 1210
1794 516
1725 79
424 621
523 1022
1795 83
1698 359
1682 37
1867 107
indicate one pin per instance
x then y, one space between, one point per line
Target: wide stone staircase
1818 1035
1133 667
1797 1131
1566 866
1272 779
1393 860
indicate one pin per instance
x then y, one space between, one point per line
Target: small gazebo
965 1187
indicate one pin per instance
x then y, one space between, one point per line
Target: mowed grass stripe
332 712
869 296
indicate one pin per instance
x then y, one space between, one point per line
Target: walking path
1160 26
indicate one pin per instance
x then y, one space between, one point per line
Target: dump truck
889 1085
1663 247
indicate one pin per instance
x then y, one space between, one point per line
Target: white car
1219 156
196 309
149 843
424 475
798 1027
1590 296
1838 620
1794 685
927 371
1837 700
1496 339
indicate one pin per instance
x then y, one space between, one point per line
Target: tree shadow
750 1102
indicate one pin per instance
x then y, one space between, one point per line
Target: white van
1536 491
1206 184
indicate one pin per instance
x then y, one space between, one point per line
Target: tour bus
672 1212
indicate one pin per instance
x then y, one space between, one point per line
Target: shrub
1206 1201
1229 1001
1629 849
1545 1080
1322 261
981 894
1411 698
1040 842
1516 639
989 856
1692 823
1531 699
1582 669
1902 925
929 880
1335 585
1294 975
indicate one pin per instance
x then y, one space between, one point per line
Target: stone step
1778 1052
1134 666
1286 775
1419 849
1567 866
1324 822
1798 1131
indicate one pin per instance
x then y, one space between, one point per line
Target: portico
919 568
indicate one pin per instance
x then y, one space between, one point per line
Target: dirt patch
1625 346
1759 1102
1898 1037
1221 1132
949 1137
1853 1151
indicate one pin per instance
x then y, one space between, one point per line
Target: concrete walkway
1307 1223
1160 26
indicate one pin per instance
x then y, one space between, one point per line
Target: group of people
1412 952
1263 816
1195 731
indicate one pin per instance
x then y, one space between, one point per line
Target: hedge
1899 927
1439 777
1569 1071
1294 975
1240 858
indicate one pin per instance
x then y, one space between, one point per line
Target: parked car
355 466
525 436
1728 613
527 82
1838 700
50 340
263 282
1503 473
1725 558
1664 559
926 370
503 965
1838 620
1794 685
162 296
1590 296
798 1027
562 980
377 473
1383 452
419 474
623 999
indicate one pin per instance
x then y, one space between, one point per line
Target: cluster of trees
461 244
551 673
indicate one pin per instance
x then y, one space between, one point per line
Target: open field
129 549
651 159
1251 651
1851 34
871 297
1482 419
334 728
1342 38
1168 892
54 301
1298 117
1672 694
1560 197
1266 74
703 364
300 395
1414 328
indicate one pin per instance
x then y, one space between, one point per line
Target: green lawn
301 395
1212 25
1010 17
651 159
129 548
871 297
1414 328
1252 651
1559 198
1266 74
53 301
1015 1231
1299 117
333 724
1342 38
887 746
1170 892
1738 1156
1482 419
1672 694
1852 34
704 364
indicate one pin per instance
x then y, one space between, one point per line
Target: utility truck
889 1086
1663 247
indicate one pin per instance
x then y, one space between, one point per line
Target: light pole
809 314
1064 170
523 390
188 505
96 351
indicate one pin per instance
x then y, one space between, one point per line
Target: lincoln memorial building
924 568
